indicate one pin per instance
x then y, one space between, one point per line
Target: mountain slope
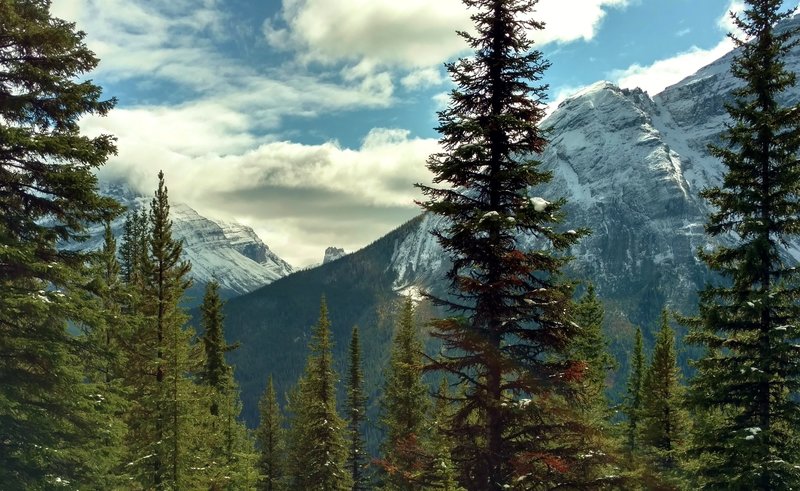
230 252
630 167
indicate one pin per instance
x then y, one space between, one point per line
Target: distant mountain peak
332 254
228 251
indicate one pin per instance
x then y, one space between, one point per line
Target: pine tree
748 321
318 451
664 423
357 414
110 334
47 195
216 373
404 408
231 457
633 399
166 404
512 332
271 442
443 473
133 247
591 347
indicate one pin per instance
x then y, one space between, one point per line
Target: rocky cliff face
228 251
631 168
332 254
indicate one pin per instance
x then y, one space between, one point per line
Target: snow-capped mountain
228 251
631 168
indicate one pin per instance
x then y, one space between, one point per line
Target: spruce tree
633 399
231 457
443 472
271 442
216 373
591 348
748 320
318 452
356 417
404 408
510 333
47 195
110 334
664 423
166 405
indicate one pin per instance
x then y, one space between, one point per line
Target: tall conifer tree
318 449
231 456
47 194
664 421
591 348
512 330
749 321
165 403
633 398
404 407
356 417
270 438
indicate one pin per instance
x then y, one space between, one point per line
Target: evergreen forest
504 381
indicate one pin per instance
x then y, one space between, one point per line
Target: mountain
228 251
332 254
630 166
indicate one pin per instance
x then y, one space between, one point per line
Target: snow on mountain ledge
227 251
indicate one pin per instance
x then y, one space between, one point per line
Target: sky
310 120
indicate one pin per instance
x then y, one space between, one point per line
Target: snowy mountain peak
229 252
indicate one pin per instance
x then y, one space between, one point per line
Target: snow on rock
631 168
539 204
228 251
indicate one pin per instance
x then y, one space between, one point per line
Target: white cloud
293 193
725 22
423 78
661 74
411 34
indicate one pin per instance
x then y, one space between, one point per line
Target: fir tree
748 321
318 448
356 417
443 472
404 408
231 457
511 332
664 423
133 247
633 399
591 347
47 195
271 442
166 404
216 373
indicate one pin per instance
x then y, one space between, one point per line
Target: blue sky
311 119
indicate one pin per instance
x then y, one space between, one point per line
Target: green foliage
230 462
357 460
49 419
664 423
443 474
404 408
318 451
748 321
513 335
271 442
166 406
600 447
633 399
